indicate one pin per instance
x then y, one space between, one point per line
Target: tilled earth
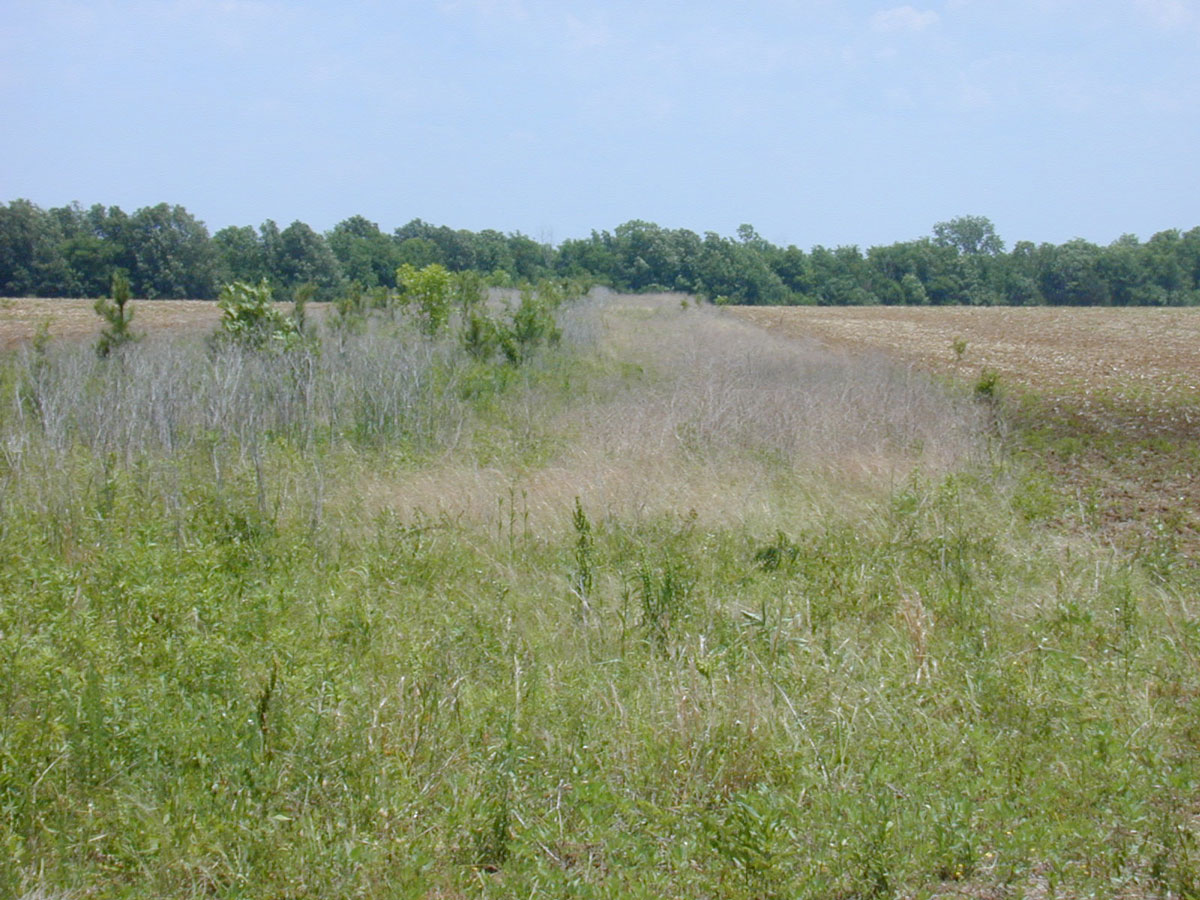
21 320
1110 398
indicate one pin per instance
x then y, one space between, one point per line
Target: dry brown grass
685 410
725 422
1114 393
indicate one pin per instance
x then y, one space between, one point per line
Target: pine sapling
113 310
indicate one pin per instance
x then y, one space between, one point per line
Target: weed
583 582
753 835
987 385
782 554
663 592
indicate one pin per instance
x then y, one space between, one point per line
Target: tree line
165 252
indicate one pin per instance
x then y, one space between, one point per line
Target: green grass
252 688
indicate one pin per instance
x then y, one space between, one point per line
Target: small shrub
479 336
249 317
988 385
532 325
428 292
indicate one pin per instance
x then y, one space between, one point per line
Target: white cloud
904 18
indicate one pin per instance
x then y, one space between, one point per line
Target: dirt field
1117 353
1110 397
20 319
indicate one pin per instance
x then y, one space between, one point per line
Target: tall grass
672 610
689 409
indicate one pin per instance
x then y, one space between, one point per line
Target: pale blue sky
818 122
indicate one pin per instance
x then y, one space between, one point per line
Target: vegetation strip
666 606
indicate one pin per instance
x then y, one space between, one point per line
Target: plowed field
21 319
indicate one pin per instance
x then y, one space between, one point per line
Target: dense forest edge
166 253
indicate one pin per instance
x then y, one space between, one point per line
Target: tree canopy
165 252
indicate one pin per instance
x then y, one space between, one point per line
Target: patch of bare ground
1108 398
22 318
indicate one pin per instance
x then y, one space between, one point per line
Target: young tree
117 332
429 291
249 317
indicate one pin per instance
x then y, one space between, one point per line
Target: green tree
89 260
418 252
531 261
366 255
842 277
588 256
1069 274
117 331
172 254
31 259
792 267
912 291
491 252
240 255
301 256
738 272
969 235
439 244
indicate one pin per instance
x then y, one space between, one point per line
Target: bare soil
21 319
1148 355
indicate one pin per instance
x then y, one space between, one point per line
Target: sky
817 122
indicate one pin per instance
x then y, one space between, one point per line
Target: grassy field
678 608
